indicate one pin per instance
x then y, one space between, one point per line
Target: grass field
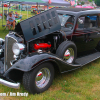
81 84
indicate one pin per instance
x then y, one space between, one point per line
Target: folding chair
18 19
6 26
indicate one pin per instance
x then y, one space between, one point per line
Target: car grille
8 53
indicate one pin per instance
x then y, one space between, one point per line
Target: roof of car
73 9
77 11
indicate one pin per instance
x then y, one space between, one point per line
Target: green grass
81 84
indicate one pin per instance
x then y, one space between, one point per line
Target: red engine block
42 46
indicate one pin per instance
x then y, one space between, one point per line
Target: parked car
84 6
6 5
55 40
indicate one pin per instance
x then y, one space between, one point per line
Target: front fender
33 60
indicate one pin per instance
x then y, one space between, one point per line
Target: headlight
17 48
1 41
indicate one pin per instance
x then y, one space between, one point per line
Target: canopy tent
39 1
58 3
25 1
31 2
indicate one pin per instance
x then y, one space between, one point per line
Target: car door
87 34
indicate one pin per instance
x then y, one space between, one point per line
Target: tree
97 2
82 3
90 0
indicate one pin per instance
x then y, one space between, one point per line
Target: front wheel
39 79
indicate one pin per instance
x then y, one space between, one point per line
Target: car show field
82 84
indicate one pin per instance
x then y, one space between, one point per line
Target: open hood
39 25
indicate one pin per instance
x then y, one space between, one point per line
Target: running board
87 59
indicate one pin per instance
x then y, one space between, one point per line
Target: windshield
66 21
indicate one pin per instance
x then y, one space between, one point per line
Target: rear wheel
67 51
39 79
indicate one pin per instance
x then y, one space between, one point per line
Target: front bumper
10 84
5 81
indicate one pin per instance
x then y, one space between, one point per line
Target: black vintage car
55 40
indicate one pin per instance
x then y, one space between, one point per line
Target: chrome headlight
1 41
17 48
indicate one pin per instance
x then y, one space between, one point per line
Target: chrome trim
1 50
42 78
5 52
39 51
11 63
1 41
69 55
10 84
11 37
15 57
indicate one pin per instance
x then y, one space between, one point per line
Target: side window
93 21
67 21
80 22
86 22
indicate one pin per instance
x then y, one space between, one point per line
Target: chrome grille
8 51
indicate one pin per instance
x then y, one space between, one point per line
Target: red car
6 5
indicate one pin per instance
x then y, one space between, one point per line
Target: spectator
10 20
16 15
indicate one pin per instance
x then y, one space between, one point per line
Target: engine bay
47 43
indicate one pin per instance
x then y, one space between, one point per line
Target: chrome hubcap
69 55
42 78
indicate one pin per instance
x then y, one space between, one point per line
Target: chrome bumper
10 84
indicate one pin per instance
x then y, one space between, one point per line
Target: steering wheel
68 23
